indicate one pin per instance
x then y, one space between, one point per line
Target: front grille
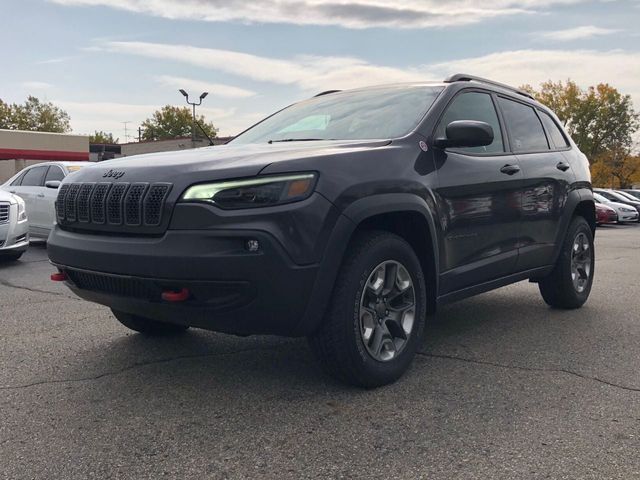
112 204
4 212
115 285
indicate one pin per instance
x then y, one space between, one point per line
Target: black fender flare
338 242
574 199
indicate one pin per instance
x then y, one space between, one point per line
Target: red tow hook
176 295
58 277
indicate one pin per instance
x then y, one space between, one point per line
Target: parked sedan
14 227
633 193
626 213
614 196
38 185
605 214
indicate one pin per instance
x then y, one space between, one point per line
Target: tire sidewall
577 228
400 251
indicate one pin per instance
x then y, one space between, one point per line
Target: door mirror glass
52 184
466 133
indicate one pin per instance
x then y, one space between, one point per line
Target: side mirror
52 184
466 133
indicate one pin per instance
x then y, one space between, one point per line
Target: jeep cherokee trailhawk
347 218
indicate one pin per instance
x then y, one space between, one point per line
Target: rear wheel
147 326
569 284
375 320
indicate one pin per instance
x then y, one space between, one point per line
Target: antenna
126 135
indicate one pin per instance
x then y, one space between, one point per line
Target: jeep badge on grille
115 174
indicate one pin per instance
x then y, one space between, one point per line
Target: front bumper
14 236
628 216
230 289
279 289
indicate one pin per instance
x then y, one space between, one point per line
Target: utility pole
194 105
126 135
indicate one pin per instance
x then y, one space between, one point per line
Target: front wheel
375 319
147 326
569 284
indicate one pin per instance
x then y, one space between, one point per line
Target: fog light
253 245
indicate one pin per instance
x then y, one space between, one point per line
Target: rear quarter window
553 130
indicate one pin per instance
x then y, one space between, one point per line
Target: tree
599 119
616 169
174 122
34 115
102 137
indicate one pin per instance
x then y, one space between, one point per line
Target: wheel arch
407 215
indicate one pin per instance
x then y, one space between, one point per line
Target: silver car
38 185
14 227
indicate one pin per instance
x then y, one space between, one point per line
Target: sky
107 62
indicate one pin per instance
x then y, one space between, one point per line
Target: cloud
577 33
309 72
195 87
345 13
316 73
35 85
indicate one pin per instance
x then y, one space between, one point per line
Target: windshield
600 198
376 113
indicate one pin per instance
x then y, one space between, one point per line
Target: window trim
505 140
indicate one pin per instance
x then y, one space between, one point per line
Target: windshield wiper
298 140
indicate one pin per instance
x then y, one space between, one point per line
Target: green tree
34 115
174 122
102 137
600 119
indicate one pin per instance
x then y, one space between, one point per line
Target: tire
558 289
10 257
340 343
147 326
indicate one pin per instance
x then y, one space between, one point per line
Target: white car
38 186
626 213
14 227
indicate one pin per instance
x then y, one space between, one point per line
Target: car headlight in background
624 209
254 192
22 211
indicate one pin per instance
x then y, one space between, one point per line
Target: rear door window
524 127
54 173
473 106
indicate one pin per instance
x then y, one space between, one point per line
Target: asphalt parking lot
503 388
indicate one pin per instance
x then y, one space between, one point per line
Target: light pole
194 105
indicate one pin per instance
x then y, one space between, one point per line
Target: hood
184 167
7 197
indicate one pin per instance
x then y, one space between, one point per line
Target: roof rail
463 77
327 92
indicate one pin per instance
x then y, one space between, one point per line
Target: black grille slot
84 214
4 213
60 206
154 203
133 204
115 285
114 203
97 203
70 202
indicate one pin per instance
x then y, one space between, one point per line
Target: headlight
626 209
22 211
254 192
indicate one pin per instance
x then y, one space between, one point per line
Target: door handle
41 195
510 169
12 191
563 166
